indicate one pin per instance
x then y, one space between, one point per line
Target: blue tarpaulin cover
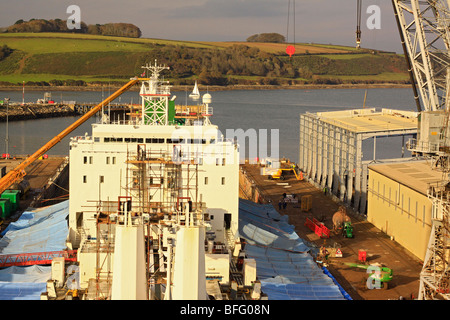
41 230
24 283
283 264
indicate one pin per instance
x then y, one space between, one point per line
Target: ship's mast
155 97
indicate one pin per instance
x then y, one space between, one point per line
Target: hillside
80 59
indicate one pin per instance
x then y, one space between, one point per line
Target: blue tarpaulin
283 264
24 283
40 230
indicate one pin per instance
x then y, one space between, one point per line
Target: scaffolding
435 274
160 186
159 181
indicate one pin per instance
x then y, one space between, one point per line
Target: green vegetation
78 59
5 51
58 25
267 37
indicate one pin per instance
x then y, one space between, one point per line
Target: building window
417 209
206 180
113 160
102 179
84 179
423 219
107 160
91 160
409 207
223 180
84 160
223 161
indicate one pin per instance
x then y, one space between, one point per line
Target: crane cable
290 48
288 16
358 23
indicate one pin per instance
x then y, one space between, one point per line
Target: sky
316 21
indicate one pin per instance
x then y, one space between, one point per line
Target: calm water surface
246 109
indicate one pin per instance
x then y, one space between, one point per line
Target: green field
43 57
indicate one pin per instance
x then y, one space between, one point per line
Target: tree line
58 25
241 64
214 66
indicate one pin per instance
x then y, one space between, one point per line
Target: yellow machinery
280 174
16 174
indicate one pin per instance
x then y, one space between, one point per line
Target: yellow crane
17 174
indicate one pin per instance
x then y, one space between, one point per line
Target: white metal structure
424 27
331 148
425 32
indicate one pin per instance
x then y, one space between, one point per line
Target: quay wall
35 111
56 187
248 189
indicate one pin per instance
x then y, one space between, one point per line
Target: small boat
195 93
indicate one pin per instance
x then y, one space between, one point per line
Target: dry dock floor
379 247
38 174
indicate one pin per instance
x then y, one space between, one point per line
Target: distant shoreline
216 88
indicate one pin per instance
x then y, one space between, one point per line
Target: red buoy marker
290 50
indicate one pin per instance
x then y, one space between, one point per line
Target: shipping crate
306 203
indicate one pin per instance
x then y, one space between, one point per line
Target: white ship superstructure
158 190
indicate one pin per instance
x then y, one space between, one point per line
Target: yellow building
398 203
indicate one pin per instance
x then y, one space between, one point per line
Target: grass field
280 48
39 57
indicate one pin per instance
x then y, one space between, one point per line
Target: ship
154 204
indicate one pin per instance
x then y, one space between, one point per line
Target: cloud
232 9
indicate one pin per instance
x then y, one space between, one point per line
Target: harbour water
238 109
